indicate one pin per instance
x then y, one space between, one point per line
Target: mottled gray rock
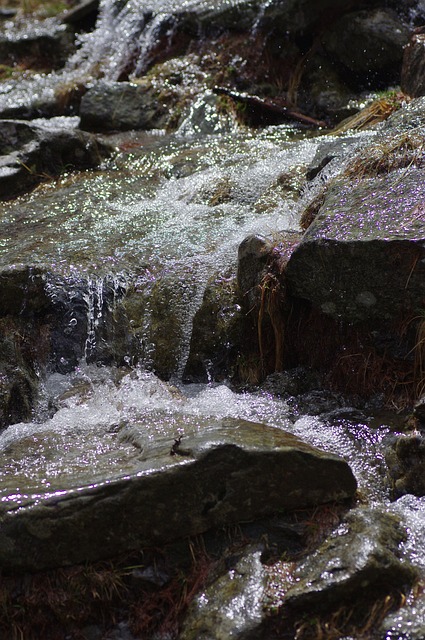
357 565
360 562
217 331
120 106
409 622
232 606
253 255
413 70
23 303
362 258
327 90
335 148
227 472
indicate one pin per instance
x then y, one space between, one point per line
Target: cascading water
172 211
160 221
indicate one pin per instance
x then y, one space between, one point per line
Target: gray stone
227 472
357 565
232 606
363 258
216 333
253 254
120 106
43 44
405 458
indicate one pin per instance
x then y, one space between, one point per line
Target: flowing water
152 213
167 206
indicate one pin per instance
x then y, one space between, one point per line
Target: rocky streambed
211 320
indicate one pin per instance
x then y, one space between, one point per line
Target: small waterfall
126 33
115 41
94 301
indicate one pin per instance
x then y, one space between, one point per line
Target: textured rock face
413 70
360 562
232 607
226 473
362 258
372 45
405 457
120 106
30 152
217 330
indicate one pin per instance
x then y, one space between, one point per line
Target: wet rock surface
317 81
347 572
33 152
120 106
344 576
366 254
359 263
232 607
412 73
216 334
43 44
405 458
372 48
174 489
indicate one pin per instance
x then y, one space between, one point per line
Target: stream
142 217
166 208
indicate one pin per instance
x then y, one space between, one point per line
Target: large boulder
340 583
360 563
413 70
361 260
163 489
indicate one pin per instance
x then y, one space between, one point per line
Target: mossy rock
217 332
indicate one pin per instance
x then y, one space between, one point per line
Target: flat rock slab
227 472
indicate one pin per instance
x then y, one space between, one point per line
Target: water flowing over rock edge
97 299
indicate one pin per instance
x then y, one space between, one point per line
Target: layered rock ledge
229 472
